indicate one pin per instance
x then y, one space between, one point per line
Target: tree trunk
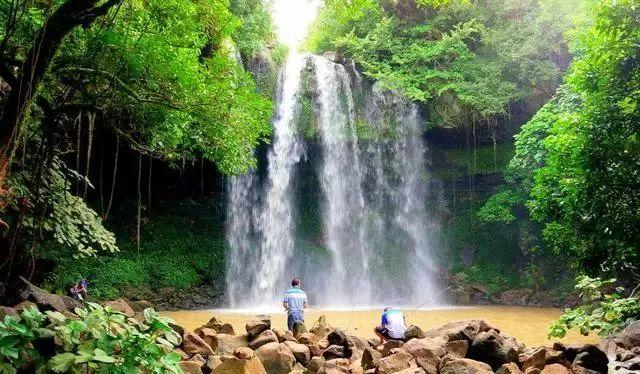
48 39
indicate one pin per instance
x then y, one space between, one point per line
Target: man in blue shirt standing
295 300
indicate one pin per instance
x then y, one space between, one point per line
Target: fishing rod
423 304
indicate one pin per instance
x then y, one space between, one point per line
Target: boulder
337 366
337 337
299 328
199 359
555 369
314 350
183 355
429 364
276 358
300 351
298 369
536 359
243 353
630 336
8 311
193 344
288 336
413 332
335 351
509 368
236 365
207 334
256 327
214 323
315 364
333 56
632 365
224 344
425 347
321 327
357 345
536 371
492 348
280 333
47 301
455 365
308 338
591 359
388 346
121 305
190 367
370 358
624 355
460 330
226 328
265 337
457 347
24 305
393 363
213 362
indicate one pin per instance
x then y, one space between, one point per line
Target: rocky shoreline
471 346
460 347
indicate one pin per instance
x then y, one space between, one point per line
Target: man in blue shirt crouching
295 300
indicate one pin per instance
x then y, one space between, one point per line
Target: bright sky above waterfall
292 19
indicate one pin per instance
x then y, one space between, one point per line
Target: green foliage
467 61
60 215
604 313
256 32
576 166
181 247
100 340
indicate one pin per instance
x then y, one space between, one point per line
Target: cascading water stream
371 172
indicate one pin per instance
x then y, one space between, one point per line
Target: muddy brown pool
527 324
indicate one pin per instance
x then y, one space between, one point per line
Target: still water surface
528 325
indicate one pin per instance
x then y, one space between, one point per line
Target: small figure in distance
294 302
393 325
79 289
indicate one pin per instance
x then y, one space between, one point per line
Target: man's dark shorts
293 318
384 332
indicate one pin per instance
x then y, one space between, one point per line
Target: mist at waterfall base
360 175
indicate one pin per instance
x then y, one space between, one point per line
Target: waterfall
369 159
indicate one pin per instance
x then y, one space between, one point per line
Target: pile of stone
623 351
463 347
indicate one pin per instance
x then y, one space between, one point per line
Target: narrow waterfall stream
375 246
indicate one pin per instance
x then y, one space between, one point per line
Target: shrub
605 313
100 340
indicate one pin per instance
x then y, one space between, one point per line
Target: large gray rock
48 301
276 358
494 349
630 336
